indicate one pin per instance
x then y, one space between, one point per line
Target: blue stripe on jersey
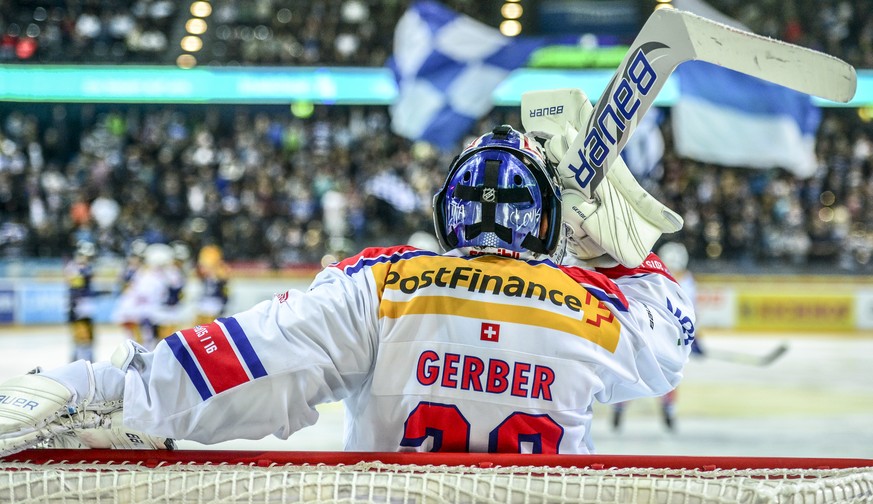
375 255
187 361
606 298
244 346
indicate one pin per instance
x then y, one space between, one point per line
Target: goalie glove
622 221
111 434
52 408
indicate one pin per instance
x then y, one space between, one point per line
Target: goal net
78 476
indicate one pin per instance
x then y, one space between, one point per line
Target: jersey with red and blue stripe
428 352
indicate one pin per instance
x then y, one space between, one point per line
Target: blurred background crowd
268 186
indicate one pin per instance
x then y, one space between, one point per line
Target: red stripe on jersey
652 264
595 279
216 357
371 253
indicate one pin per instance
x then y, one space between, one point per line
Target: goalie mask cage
107 476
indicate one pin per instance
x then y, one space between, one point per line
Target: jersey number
450 431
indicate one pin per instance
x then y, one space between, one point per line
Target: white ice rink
816 401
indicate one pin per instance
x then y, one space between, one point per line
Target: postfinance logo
488 288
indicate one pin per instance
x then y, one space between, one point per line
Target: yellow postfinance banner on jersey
798 312
554 300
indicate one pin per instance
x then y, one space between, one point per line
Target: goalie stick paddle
671 37
744 358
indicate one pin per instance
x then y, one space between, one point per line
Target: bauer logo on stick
613 114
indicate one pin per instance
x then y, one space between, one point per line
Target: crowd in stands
338 32
265 185
843 28
257 32
89 31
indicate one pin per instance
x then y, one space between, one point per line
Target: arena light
191 43
826 214
510 28
302 109
186 61
713 250
827 198
196 26
511 10
328 259
201 9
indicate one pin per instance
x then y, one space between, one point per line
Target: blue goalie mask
501 196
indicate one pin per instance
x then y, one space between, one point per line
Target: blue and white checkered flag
447 66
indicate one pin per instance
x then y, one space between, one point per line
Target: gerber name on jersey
463 372
433 310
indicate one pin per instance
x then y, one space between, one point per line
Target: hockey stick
671 37
744 358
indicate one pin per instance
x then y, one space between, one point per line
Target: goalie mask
501 196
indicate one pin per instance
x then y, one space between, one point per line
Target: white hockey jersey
429 353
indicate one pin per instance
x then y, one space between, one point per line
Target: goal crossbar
79 476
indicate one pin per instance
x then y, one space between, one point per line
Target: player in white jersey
151 299
493 346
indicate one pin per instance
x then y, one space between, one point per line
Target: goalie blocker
622 221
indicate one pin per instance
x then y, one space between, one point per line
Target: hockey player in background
126 315
147 301
492 346
675 257
172 316
213 273
79 274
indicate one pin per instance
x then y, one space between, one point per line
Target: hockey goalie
495 345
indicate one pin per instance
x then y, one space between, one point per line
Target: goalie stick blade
671 37
795 67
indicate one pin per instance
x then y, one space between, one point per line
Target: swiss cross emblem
490 332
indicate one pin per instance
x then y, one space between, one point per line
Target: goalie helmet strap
534 244
489 195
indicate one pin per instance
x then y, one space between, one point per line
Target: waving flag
732 119
644 150
447 66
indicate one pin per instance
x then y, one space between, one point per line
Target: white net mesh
79 482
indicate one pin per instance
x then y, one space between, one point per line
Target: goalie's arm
258 373
262 371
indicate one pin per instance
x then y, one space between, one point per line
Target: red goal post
79 476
